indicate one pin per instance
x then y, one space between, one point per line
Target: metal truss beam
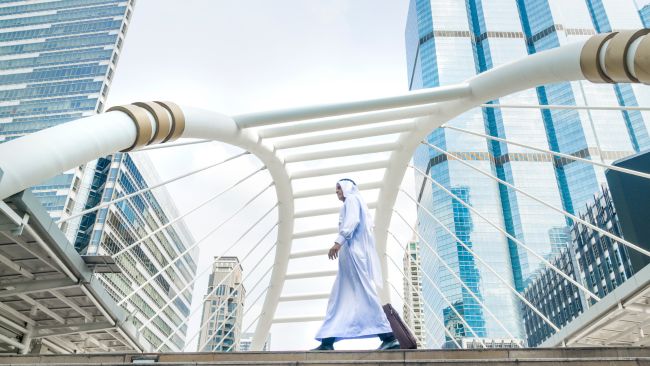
27 287
63 329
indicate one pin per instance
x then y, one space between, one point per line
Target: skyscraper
413 311
111 229
450 41
246 341
223 307
596 261
57 60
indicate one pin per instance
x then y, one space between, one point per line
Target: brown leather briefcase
400 330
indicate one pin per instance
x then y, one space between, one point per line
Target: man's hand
334 251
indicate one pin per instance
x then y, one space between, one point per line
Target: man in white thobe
353 310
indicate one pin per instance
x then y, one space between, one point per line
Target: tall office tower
223 307
167 299
450 41
57 60
413 312
246 341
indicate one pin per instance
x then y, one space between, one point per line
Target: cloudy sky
244 56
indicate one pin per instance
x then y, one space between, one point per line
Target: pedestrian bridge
296 147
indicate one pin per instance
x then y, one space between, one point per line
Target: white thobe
353 310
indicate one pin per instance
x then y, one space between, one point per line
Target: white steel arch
615 57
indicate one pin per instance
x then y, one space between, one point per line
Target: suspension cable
205 270
221 304
187 213
462 243
243 315
144 190
192 247
509 236
166 146
453 273
554 153
214 289
559 210
569 107
428 333
452 307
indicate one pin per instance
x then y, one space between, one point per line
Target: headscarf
350 189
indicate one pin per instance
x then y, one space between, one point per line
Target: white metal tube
166 146
341 152
305 297
453 273
560 155
106 204
299 319
330 190
309 253
171 222
206 269
325 211
320 138
494 272
140 287
41 155
425 96
310 173
303 275
442 295
565 107
312 233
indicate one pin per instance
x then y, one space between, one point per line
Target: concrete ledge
491 357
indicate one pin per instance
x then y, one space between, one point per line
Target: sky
238 57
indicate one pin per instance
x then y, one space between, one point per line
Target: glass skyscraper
448 41
223 307
112 228
57 60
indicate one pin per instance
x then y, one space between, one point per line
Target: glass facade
450 41
596 261
412 311
110 229
223 308
57 60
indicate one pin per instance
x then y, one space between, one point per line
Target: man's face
339 192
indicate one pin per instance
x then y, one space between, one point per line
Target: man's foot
394 344
324 347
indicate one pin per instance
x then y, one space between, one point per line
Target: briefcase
400 330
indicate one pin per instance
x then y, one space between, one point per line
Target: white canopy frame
615 57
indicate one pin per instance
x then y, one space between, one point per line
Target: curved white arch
72 144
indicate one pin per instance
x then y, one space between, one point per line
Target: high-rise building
450 41
644 11
413 312
57 60
246 341
223 307
111 229
596 261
